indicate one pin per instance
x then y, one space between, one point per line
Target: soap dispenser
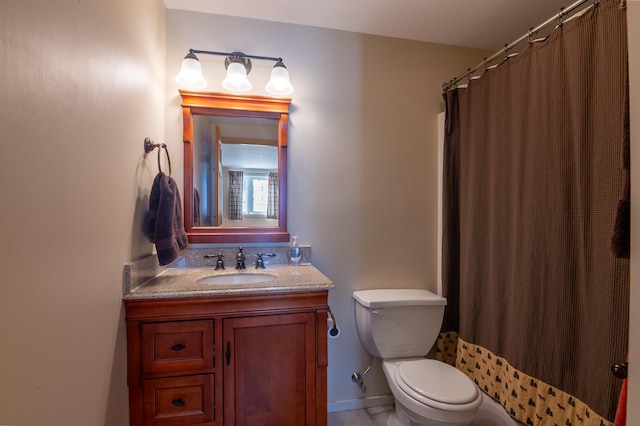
295 253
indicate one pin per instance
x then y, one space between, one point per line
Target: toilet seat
436 384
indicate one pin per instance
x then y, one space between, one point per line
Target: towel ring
150 145
168 158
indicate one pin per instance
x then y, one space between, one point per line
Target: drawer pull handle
178 402
178 347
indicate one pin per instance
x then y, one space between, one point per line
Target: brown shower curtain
537 305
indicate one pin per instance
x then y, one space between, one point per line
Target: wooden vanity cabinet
253 359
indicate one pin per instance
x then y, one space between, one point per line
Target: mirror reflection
235 171
235 167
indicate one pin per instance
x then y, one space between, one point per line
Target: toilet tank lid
397 297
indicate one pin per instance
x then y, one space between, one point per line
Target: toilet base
392 420
403 417
491 413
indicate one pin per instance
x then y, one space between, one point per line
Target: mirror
235 167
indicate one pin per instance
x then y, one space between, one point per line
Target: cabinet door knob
178 347
179 402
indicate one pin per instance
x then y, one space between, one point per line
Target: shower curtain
236 184
537 305
273 197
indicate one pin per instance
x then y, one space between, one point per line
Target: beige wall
82 86
362 153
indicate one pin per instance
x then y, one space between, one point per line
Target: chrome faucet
260 260
219 262
240 258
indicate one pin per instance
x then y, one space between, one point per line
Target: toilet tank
398 323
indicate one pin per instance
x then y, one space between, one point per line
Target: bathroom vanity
211 351
228 347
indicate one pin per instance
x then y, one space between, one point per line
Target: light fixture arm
236 55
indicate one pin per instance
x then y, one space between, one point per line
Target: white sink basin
237 279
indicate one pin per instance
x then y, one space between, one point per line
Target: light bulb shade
279 83
190 75
236 79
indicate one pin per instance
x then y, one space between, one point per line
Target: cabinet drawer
179 401
169 347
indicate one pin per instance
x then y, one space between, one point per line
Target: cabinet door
269 370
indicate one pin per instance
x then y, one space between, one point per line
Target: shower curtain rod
505 51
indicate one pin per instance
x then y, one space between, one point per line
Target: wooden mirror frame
249 106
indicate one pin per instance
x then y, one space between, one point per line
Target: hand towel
164 226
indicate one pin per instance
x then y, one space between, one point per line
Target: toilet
400 326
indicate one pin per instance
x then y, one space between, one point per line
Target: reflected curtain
273 196
196 207
537 305
236 179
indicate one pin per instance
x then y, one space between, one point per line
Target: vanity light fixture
238 65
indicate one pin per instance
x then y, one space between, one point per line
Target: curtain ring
560 16
531 34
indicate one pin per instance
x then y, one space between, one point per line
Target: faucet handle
219 262
260 260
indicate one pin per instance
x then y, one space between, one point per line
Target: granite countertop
184 282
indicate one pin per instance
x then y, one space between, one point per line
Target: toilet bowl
430 393
400 326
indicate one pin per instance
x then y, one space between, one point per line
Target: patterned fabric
235 195
274 197
525 398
